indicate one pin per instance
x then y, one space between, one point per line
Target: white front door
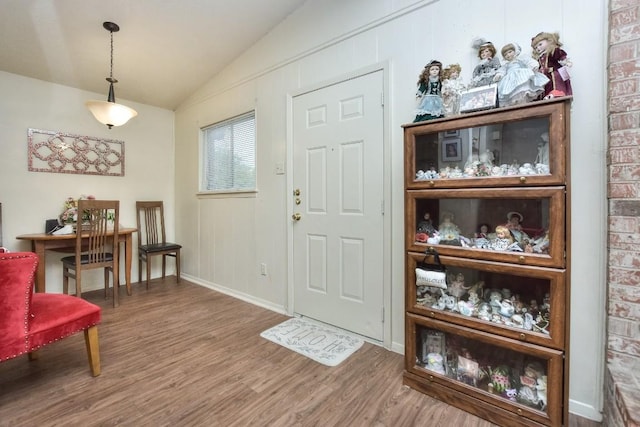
338 238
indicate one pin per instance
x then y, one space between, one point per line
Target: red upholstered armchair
31 320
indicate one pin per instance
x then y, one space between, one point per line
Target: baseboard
585 411
239 295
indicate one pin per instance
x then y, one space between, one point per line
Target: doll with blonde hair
452 87
553 63
517 83
504 239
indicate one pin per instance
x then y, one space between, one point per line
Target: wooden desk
41 242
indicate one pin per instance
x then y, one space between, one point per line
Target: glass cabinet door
517 146
525 379
524 227
523 303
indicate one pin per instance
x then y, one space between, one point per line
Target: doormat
324 344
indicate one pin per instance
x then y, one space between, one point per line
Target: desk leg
38 248
128 249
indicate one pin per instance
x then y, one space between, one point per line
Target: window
228 155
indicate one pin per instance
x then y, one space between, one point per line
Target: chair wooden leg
178 265
78 279
65 280
116 288
93 349
106 282
148 270
164 265
139 269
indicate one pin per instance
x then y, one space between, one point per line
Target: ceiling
165 49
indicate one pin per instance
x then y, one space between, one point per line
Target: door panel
338 168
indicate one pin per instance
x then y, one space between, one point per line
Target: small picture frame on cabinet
479 98
452 133
451 149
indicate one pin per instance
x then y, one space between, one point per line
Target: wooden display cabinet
501 307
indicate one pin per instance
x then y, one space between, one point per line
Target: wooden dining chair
96 236
152 240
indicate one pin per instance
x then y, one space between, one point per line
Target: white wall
29 198
227 238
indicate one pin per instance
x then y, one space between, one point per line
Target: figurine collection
544 75
512 376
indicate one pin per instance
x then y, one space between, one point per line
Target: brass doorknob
296 192
296 216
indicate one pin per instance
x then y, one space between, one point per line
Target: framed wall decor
479 98
59 152
452 133
451 149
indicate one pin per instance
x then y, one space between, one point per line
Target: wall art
59 152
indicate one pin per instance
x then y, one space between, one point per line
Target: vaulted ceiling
164 51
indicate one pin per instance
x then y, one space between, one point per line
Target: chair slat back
150 221
94 225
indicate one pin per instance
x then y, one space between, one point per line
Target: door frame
386 190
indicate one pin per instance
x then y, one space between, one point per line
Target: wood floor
184 355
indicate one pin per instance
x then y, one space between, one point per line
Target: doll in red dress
553 63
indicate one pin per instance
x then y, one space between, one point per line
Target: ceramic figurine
429 95
486 70
528 393
553 63
517 83
541 388
500 379
484 311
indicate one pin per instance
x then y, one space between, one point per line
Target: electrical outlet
263 269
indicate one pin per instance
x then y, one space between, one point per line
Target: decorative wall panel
59 152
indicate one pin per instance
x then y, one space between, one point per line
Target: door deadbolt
296 216
296 192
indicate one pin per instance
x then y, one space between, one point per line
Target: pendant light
108 112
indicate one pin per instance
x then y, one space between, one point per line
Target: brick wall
622 382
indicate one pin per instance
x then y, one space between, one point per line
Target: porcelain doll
435 363
429 95
485 71
456 285
517 83
543 150
452 87
449 232
483 231
514 220
553 63
426 225
503 240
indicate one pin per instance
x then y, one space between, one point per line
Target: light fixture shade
110 113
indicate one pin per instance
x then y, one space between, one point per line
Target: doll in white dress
517 83
452 87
